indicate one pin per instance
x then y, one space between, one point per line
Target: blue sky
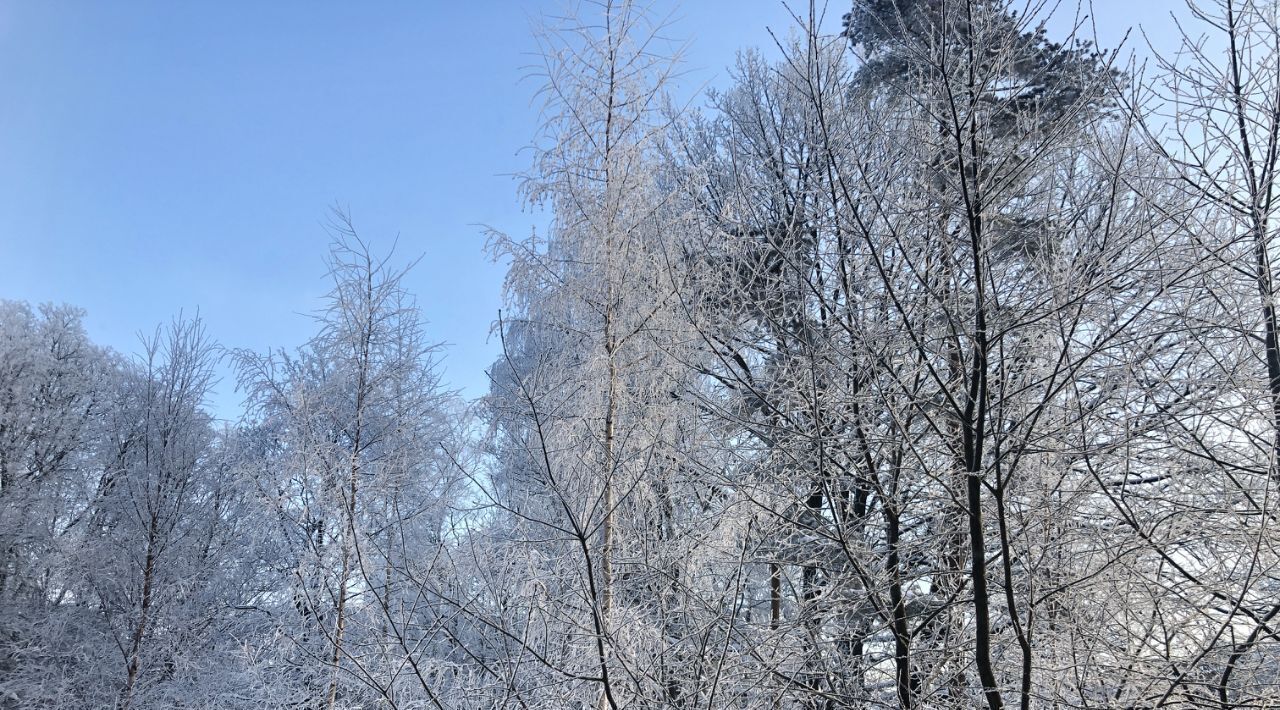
158 157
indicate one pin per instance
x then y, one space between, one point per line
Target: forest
932 363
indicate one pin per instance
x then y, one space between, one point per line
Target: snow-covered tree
355 467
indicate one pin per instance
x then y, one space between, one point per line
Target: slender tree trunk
901 633
607 525
353 481
144 611
775 595
340 609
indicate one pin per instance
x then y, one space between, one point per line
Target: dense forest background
931 365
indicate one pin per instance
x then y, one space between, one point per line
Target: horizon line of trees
932 364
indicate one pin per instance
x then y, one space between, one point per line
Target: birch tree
355 473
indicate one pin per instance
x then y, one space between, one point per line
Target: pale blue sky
158 156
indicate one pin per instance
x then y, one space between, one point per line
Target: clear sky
161 156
